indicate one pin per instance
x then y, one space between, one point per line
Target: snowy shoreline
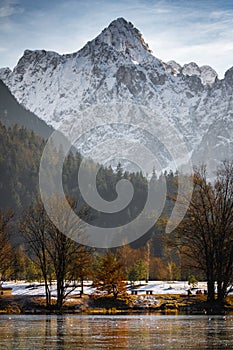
155 287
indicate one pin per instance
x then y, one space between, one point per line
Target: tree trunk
60 293
47 290
82 286
211 291
47 293
221 292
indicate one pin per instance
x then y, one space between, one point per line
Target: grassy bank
164 304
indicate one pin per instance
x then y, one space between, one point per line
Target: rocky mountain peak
5 73
117 69
123 37
206 73
174 67
36 56
229 76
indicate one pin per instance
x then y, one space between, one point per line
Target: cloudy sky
185 31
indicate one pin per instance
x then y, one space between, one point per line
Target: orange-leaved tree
109 275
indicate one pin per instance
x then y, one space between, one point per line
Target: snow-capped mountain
118 71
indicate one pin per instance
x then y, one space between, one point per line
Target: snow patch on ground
157 287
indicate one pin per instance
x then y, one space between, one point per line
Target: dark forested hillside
20 152
11 113
20 155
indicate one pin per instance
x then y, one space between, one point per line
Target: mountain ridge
117 67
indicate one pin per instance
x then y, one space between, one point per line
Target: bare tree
224 229
52 250
34 228
83 265
205 235
65 252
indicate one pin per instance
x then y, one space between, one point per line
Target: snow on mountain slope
205 73
116 69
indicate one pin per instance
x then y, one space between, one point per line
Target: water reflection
119 332
217 332
61 324
48 329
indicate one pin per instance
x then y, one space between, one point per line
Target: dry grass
165 302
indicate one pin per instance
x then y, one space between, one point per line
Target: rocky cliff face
118 68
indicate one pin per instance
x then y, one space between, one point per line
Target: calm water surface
116 332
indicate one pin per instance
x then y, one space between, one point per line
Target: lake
115 332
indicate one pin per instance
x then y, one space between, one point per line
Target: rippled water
116 332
